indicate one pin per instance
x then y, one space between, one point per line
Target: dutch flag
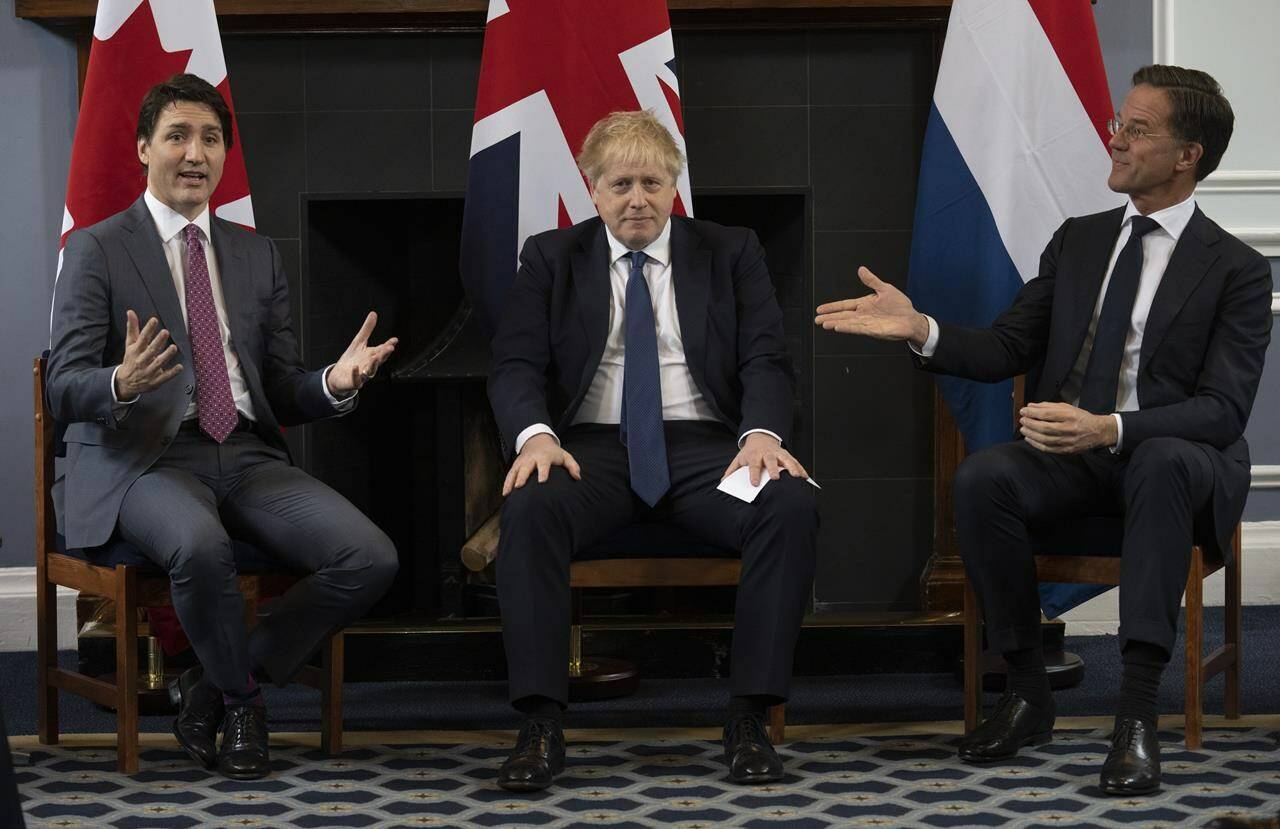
1015 144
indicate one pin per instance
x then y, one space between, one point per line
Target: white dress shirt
681 399
170 225
1157 248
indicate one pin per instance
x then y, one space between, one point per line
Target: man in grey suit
173 435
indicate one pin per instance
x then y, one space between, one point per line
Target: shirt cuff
114 397
930 343
1115 450
743 439
344 404
535 429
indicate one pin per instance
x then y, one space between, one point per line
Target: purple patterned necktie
213 386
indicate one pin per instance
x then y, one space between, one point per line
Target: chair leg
126 670
575 632
1195 649
332 657
46 660
1234 624
972 659
778 723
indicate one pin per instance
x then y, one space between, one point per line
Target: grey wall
1264 438
38 99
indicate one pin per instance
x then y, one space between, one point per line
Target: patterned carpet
889 781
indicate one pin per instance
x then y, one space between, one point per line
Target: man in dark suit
640 359
173 428
1143 339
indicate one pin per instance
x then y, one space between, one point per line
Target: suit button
190 388
102 420
164 441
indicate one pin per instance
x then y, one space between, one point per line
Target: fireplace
421 454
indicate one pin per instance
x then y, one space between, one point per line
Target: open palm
885 314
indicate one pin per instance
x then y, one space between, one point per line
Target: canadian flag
137 44
550 69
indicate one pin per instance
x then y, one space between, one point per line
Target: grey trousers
182 512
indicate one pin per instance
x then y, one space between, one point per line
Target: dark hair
1200 112
183 87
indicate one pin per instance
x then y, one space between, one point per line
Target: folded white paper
739 485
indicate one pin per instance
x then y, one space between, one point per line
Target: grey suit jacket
117 265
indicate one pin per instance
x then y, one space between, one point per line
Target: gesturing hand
145 355
1065 429
360 361
885 314
539 453
760 452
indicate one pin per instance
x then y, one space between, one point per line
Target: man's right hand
145 356
885 314
540 452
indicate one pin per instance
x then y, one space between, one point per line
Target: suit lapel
1093 268
237 293
691 270
1191 259
147 252
590 271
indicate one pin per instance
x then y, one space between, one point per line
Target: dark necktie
1102 374
641 422
217 409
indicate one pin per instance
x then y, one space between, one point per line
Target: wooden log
482 547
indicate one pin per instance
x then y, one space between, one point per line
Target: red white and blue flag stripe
1015 144
550 69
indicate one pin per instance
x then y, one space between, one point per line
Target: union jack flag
550 69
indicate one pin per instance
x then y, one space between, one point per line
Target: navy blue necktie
641 423
1102 374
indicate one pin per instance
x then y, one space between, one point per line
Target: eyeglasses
1132 132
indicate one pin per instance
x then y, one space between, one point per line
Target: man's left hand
760 452
359 363
1064 429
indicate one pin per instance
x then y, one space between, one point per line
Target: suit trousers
544 526
182 513
1003 493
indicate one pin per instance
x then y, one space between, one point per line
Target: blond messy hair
636 137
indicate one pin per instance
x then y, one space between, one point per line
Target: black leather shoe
1015 723
749 753
537 758
200 711
1133 764
243 754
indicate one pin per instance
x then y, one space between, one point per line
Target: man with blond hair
640 359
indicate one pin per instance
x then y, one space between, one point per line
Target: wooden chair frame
1106 570
130 590
656 572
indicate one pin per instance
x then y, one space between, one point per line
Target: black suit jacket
1202 351
117 265
556 318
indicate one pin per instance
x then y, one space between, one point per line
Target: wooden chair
601 568
131 582
1105 569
